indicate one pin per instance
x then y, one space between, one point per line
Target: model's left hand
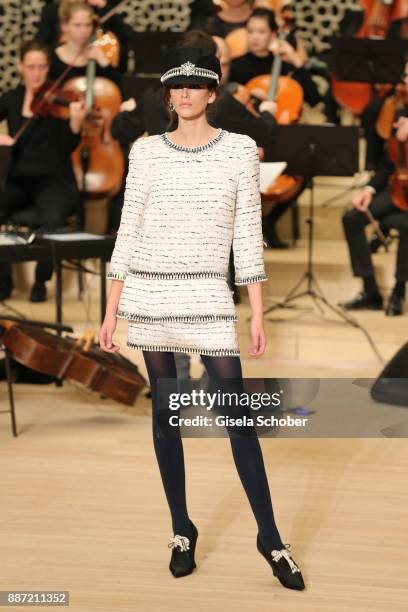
258 337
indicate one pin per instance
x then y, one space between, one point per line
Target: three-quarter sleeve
134 199
247 241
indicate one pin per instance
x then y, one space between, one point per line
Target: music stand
368 60
316 150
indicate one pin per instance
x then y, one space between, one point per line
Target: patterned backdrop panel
317 20
19 20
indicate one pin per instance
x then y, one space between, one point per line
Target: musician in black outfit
378 198
78 25
263 45
49 29
40 176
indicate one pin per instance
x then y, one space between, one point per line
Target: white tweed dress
184 208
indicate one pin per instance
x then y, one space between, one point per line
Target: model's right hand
6 140
362 200
106 334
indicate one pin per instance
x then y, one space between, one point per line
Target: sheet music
11 239
73 236
269 172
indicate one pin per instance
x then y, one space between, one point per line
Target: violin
50 100
398 152
386 116
76 359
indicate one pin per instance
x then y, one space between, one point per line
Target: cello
77 359
98 161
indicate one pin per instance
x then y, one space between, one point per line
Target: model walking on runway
190 195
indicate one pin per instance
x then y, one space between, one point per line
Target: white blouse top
183 209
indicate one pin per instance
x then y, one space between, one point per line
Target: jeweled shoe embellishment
278 554
182 541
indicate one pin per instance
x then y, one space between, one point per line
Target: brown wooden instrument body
386 116
104 173
108 374
110 45
289 97
398 152
49 100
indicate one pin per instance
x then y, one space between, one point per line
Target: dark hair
198 38
267 15
34 45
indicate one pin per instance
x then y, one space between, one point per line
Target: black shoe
283 566
363 301
6 287
38 292
395 306
182 560
375 243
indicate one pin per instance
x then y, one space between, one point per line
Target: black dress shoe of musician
395 306
182 560
364 301
38 292
283 566
6 287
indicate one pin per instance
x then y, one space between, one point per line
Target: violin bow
377 228
112 11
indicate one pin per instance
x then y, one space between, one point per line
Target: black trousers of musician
389 217
245 446
49 202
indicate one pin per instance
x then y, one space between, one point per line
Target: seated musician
263 46
50 33
222 23
77 24
377 197
40 175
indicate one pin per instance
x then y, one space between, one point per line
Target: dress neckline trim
209 144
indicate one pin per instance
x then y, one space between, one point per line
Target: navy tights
246 452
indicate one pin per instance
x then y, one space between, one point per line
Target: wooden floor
82 504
